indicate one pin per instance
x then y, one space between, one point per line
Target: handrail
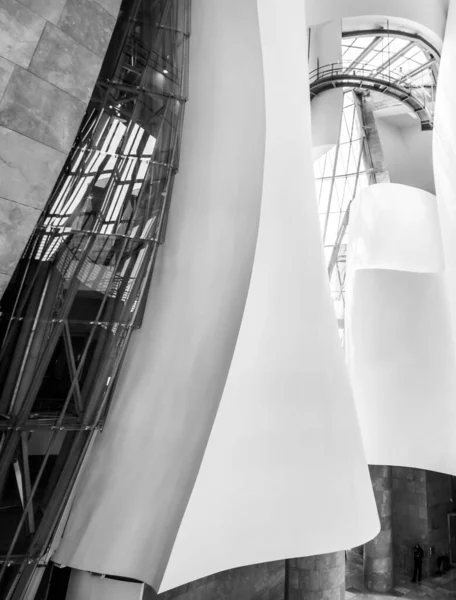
389 75
389 82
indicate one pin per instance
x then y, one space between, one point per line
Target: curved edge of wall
286 435
141 472
50 58
444 154
402 360
395 226
429 16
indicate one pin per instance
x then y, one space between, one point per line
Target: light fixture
165 71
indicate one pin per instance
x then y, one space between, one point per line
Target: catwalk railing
419 98
81 285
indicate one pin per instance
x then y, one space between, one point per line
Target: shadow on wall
255 582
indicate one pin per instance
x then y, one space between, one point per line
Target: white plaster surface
286 434
85 586
397 227
399 340
444 145
429 15
143 467
286 438
401 358
326 108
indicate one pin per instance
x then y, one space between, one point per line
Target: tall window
340 175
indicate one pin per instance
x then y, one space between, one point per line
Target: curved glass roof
347 168
404 60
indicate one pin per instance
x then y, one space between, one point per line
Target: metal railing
411 91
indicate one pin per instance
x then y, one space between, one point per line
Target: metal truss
80 287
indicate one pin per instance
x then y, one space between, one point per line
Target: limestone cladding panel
39 110
112 6
6 70
51 10
28 168
3 282
65 63
20 31
50 56
88 23
16 222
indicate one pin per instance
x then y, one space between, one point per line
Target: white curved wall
326 108
407 151
284 473
140 475
429 15
397 227
401 358
399 340
444 144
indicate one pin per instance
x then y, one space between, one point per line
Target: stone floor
434 588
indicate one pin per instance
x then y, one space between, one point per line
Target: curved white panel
85 586
326 108
286 441
401 358
444 145
140 475
395 226
431 16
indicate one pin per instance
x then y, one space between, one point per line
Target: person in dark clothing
418 555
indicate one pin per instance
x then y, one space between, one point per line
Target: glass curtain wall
339 175
80 287
407 61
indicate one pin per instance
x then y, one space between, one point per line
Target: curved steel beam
323 81
393 33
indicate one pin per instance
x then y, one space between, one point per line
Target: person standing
418 555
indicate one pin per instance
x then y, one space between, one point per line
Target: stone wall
410 522
421 503
439 504
378 553
51 52
256 582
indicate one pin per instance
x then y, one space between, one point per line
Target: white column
326 108
398 330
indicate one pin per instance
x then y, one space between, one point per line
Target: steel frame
80 287
335 76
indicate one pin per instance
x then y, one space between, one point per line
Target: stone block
20 30
38 109
51 10
28 169
65 63
89 24
6 70
332 578
307 562
112 6
16 225
4 280
386 522
310 581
